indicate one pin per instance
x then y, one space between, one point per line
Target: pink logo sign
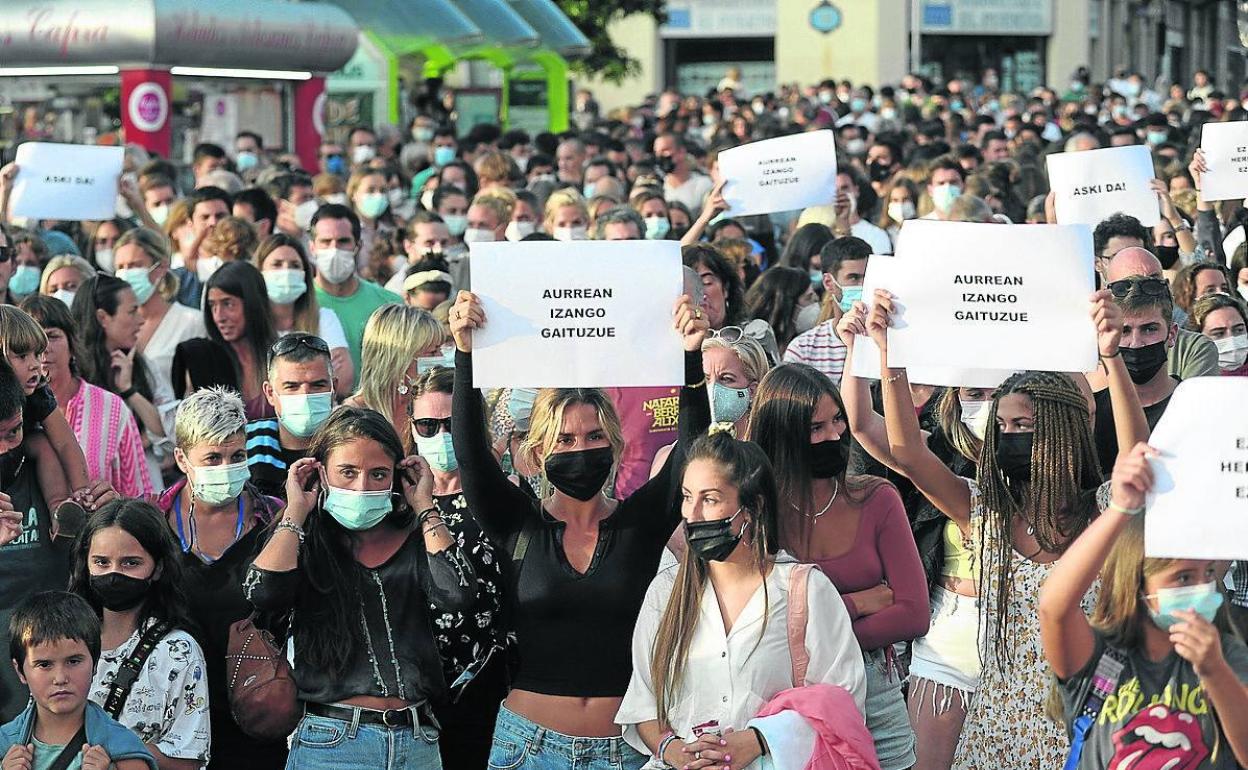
148 107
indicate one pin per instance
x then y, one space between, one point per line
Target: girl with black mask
855 528
127 565
578 562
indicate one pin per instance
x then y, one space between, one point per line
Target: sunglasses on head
428 427
1151 286
291 342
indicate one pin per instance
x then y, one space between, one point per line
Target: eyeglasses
428 427
1150 286
291 342
7 253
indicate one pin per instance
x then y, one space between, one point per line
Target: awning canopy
242 34
557 31
502 26
407 27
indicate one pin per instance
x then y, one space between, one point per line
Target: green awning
408 26
557 31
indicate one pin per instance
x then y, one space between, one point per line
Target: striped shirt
267 459
820 348
110 440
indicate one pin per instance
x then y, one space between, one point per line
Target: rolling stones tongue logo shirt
1157 716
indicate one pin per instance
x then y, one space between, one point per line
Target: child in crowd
54 641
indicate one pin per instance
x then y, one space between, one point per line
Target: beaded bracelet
293 527
663 744
1124 511
427 514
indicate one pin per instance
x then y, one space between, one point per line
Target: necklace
835 491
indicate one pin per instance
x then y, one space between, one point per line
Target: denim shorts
523 745
322 743
887 718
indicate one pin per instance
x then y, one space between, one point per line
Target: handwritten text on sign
66 181
1198 508
782 174
1226 158
581 314
1091 185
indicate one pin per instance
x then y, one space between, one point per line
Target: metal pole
916 36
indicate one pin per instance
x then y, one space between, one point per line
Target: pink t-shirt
110 440
648 417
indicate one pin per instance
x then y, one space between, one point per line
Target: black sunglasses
1150 286
7 253
428 427
291 342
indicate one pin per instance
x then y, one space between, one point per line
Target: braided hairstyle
1057 503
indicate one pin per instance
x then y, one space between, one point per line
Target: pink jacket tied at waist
842 741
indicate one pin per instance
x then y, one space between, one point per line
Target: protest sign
866 359
782 174
580 314
1226 156
66 181
1091 185
987 296
1198 508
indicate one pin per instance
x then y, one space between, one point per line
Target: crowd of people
247 402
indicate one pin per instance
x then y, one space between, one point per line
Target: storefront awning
236 34
557 31
502 26
406 27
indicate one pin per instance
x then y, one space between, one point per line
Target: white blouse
730 677
168 705
180 324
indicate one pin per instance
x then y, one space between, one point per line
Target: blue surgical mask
850 295
943 196
438 450
140 280
303 413
657 228
25 280
858 105
520 406
443 155
356 511
816 278
589 190
373 205
1204 599
336 164
285 286
728 404
246 160
456 224
219 484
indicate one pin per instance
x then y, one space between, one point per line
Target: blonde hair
968 208
84 268
494 166
557 200
210 415
499 200
179 215
327 184
357 179
394 336
307 311
20 333
156 247
233 239
546 423
747 350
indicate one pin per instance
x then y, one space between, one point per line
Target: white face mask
362 154
518 231
304 212
159 214
104 259
1232 351
975 416
335 265
900 211
1243 290
578 233
807 317
64 295
426 199
478 235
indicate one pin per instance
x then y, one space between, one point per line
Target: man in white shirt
681 182
944 186
842 216
859 113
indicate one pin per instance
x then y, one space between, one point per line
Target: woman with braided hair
1036 488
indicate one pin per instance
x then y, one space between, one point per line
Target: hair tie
425 276
722 427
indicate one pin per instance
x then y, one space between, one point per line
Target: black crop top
399 658
573 631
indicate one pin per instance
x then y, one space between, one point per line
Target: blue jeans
321 743
523 745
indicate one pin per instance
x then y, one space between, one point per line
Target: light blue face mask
1204 599
589 190
816 278
357 511
850 295
657 228
285 286
246 160
219 484
438 450
728 404
303 413
443 155
25 280
520 406
140 280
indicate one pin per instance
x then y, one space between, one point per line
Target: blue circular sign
825 17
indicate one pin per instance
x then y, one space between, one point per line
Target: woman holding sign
1160 629
1036 488
585 558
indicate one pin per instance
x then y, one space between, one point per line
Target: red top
883 552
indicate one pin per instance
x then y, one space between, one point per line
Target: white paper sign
866 359
66 181
1226 155
1198 508
1008 297
782 174
1091 185
580 314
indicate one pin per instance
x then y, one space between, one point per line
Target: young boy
54 641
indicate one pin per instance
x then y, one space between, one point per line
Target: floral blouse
168 705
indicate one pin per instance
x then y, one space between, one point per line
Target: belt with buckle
386 718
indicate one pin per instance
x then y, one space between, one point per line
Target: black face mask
118 592
580 474
1143 362
665 163
879 171
1167 255
1014 455
829 458
713 540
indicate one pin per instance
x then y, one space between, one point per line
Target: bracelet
762 744
895 377
663 744
428 513
434 527
126 394
699 383
1124 511
1117 354
289 524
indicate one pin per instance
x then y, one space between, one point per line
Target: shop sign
719 18
148 107
987 17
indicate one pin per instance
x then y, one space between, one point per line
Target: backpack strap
71 750
798 611
128 672
1104 680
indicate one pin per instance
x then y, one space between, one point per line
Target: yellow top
959 561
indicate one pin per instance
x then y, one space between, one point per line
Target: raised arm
496 503
1064 630
711 208
271 581
865 423
1130 424
448 578
1208 230
1182 233
948 492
